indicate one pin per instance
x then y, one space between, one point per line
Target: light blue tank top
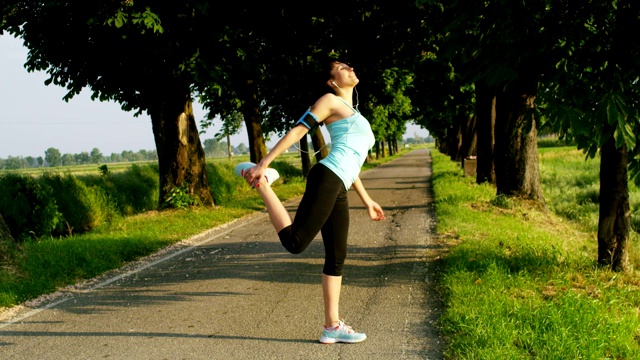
351 139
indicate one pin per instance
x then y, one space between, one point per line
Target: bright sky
35 117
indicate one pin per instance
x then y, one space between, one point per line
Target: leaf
120 20
612 110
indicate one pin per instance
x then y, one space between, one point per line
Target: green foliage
286 170
104 170
224 183
53 156
502 201
82 207
179 198
28 207
132 191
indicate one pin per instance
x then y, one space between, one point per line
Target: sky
35 117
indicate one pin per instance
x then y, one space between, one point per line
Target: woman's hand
375 211
254 174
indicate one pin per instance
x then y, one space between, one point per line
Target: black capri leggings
324 207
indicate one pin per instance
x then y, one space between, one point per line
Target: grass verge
519 282
34 268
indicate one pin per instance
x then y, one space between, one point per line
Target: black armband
308 119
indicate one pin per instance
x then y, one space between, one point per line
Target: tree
82 158
241 149
231 124
13 163
68 159
503 49
131 54
53 156
31 161
95 156
592 98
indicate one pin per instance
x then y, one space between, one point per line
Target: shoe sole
328 340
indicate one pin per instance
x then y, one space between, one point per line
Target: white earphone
334 84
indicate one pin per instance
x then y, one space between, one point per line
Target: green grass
571 183
523 283
34 268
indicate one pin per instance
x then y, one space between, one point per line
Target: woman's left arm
374 209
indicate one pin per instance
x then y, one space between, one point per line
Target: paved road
234 293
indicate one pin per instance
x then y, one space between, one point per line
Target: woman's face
343 75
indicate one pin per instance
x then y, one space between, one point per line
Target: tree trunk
613 220
369 158
468 138
317 139
304 156
181 159
442 146
382 148
486 117
229 146
516 147
251 113
377 146
390 144
453 139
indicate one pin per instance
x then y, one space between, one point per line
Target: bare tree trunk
382 148
613 220
516 146
319 145
486 117
304 156
181 159
389 143
229 146
251 114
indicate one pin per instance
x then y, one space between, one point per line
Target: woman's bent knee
290 242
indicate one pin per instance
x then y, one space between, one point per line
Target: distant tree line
416 139
53 157
215 149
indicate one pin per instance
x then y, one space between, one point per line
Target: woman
324 207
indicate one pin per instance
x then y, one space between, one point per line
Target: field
520 282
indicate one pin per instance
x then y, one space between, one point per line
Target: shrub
224 183
132 191
286 170
28 207
82 207
179 198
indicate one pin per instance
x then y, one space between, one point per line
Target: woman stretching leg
324 206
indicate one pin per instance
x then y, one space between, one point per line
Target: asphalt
233 292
